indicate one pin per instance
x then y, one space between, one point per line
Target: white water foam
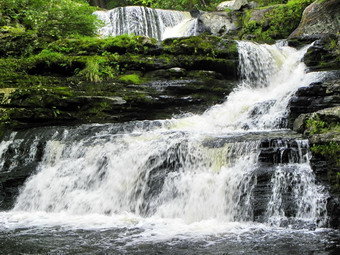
163 179
270 75
139 20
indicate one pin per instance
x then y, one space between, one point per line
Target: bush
330 150
52 19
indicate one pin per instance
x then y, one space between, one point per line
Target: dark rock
333 206
169 91
319 122
20 160
316 96
324 54
195 13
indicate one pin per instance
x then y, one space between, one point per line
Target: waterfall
138 20
200 171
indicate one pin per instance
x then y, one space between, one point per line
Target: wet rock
333 206
20 160
321 127
314 97
135 79
324 54
161 94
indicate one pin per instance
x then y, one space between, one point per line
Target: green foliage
131 78
17 41
262 3
44 20
330 150
96 69
315 125
278 22
167 4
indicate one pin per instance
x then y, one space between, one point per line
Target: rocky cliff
115 80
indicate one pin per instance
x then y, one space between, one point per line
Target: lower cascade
233 169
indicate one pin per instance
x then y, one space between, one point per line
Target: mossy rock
203 45
270 23
84 46
319 18
324 54
322 128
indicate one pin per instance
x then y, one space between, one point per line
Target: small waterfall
193 169
139 20
164 174
295 193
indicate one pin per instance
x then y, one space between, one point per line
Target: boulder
233 5
321 17
258 15
224 5
219 23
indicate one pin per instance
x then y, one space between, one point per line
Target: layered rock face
155 81
314 112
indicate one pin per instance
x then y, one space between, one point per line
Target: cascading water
139 20
190 177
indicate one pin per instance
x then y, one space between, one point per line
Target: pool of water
43 233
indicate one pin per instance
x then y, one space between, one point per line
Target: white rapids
139 20
163 178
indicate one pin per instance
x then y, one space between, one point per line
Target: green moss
330 150
131 78
97 46
278 21
77 46
269 2
210 46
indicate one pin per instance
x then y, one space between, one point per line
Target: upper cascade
139 20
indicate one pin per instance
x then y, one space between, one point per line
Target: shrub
330 151
49 20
